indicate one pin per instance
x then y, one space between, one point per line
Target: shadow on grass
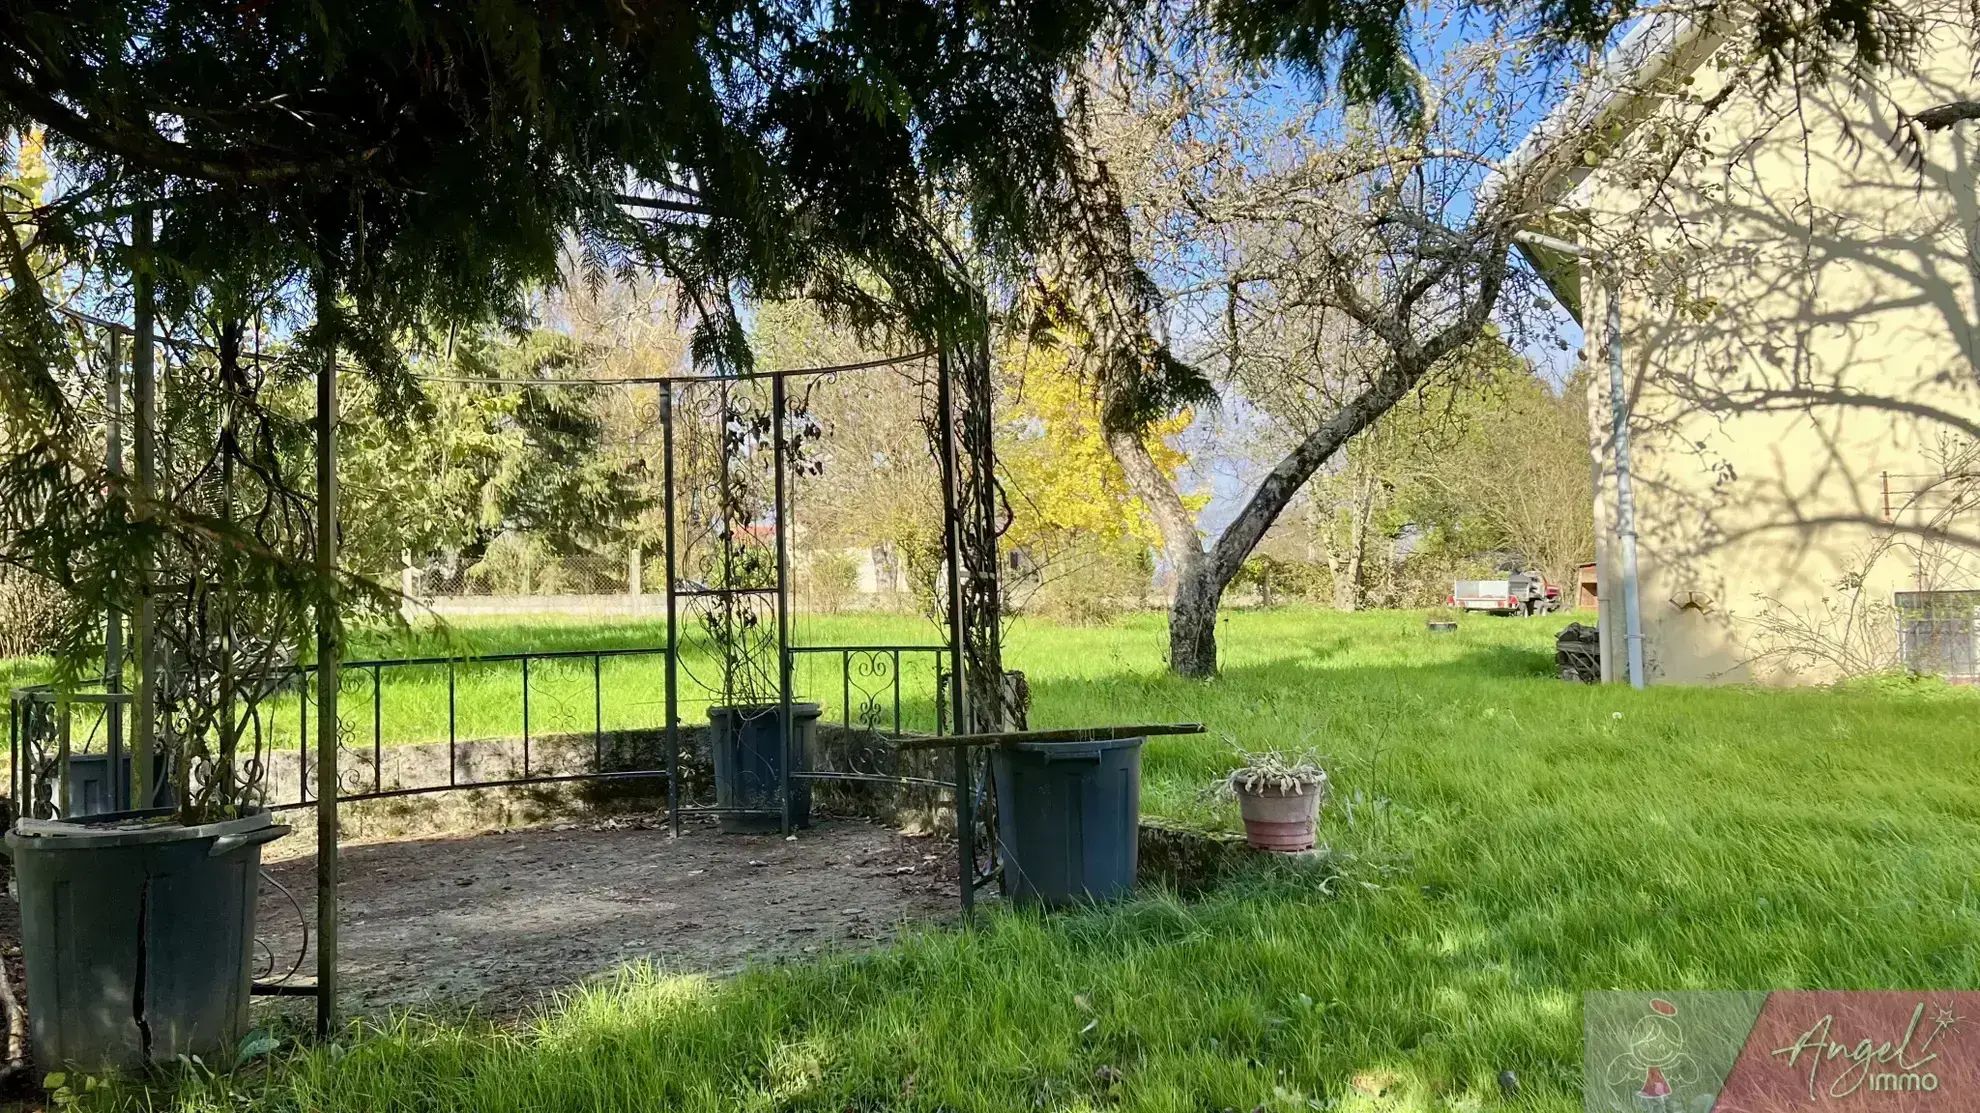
1279 696
1528 839
1072 1010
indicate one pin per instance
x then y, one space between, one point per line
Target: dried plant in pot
1279 796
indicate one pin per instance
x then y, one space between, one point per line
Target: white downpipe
1625 495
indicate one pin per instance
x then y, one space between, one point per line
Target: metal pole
144 441
783 601
377 731
1625 496
64 784
1619 425
327 651
113 621
952 542
725 505
980 444
673 634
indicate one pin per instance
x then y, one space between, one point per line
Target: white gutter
1643 56
1625 495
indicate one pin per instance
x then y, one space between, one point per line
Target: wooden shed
1585 596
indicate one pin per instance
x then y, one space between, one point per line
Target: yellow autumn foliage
1063 483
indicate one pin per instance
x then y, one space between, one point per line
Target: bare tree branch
1941 117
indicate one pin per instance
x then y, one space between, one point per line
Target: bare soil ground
497 921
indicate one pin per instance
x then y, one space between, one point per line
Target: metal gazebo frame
960 438
963 447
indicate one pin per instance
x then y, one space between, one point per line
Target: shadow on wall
1801 357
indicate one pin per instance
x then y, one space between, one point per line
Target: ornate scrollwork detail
873 676
358 774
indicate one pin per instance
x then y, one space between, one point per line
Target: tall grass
1504 842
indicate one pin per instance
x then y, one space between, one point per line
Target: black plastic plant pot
138 934
1068 819
748 751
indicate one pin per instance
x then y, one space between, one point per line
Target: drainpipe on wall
1625 496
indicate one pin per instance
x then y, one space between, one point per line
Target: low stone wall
915 808
1186 859
598 606
1181 858
461 811
646 606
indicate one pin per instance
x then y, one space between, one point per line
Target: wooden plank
1067 734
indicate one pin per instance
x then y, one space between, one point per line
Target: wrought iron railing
419 725
465 760
873 715
51 772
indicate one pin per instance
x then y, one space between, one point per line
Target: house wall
1799 342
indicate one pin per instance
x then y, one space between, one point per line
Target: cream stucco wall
1799 347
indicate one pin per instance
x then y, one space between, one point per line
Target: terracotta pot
1280 819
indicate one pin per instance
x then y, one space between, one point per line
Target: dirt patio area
498 920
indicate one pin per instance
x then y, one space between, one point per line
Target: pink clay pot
1279 819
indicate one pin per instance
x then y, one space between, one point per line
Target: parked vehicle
1519 593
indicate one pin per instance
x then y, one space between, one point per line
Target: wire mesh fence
1939 633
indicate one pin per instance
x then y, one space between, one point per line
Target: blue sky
1219 465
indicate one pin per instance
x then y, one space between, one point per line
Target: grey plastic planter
89 783
748 756
138 936
1068 819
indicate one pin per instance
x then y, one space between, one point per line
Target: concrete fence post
408 585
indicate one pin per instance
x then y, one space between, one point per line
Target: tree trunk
1347 583
1203 574
1391 591
1199 580
1347 579
1193 622
1121 312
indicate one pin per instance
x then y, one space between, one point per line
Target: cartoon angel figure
1653 1062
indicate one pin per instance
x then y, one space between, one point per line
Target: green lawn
576 693
1507 841
630 689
